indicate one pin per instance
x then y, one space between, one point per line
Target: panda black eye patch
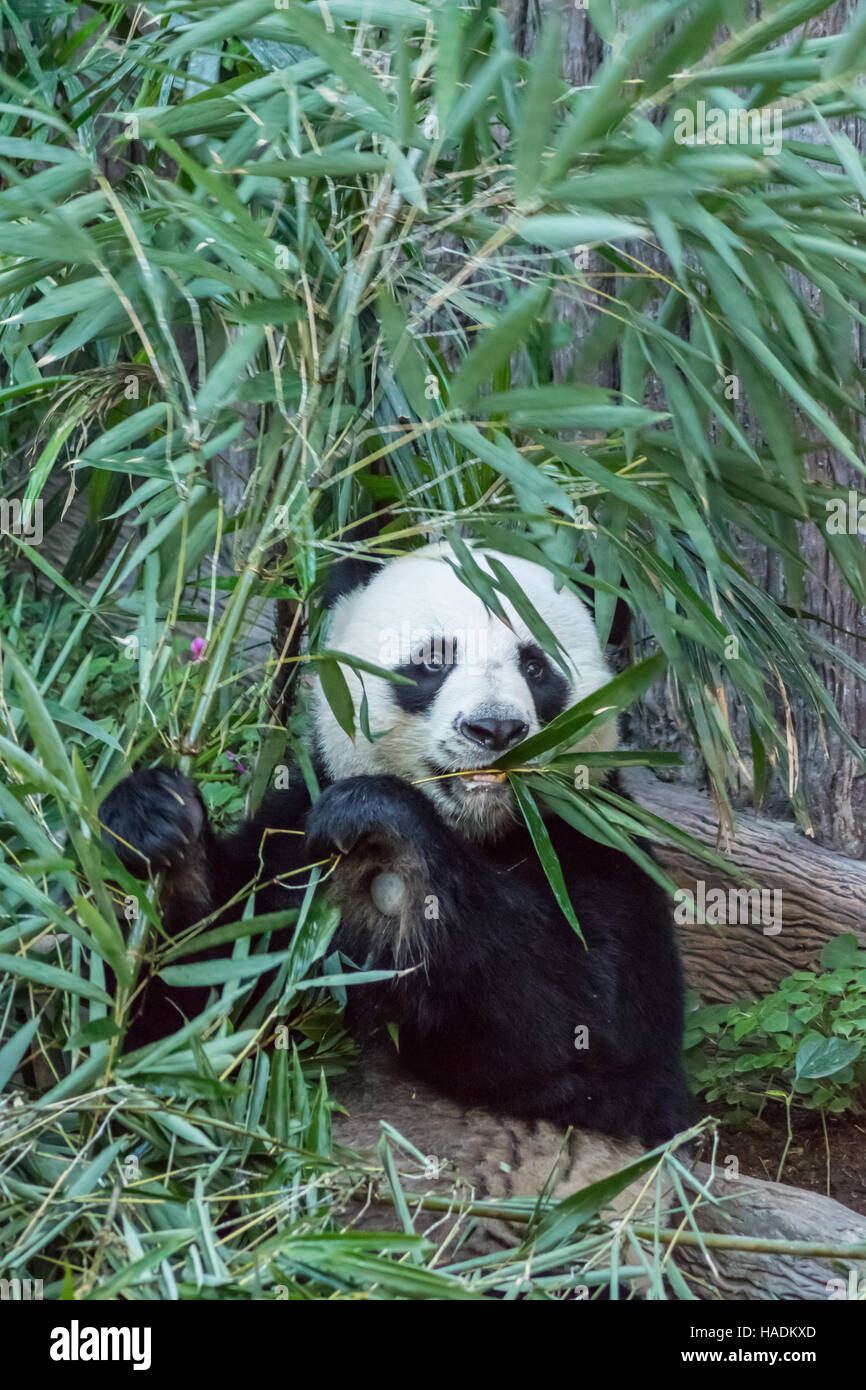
548 687
428 669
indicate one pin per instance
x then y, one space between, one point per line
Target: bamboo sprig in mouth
495 775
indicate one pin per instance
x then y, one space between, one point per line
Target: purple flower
197 648
237 762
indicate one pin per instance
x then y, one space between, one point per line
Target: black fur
355 570
549 690
346 575
156 819
426 684
501 984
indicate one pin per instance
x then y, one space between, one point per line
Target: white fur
417 598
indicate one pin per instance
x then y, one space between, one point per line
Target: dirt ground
760 1143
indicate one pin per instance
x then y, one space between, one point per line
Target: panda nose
496 734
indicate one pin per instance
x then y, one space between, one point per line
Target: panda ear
621 625
346 575
354 571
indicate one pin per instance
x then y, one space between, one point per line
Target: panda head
479 686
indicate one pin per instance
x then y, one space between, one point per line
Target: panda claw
356 808
153 819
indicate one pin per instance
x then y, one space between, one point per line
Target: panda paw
152 819
382 809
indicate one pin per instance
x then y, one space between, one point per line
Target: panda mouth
482 779
477 779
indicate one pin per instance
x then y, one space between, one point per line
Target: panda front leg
157 823
392 846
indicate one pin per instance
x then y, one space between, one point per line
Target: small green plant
805 1044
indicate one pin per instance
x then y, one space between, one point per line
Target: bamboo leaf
41 973
588 713
496 346
545 851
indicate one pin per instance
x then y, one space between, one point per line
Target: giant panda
496 1000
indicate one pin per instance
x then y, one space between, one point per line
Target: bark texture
474 1156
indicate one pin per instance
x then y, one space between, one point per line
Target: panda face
478 686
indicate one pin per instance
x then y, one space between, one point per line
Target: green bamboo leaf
569 231
336 51
464 110
107 935
80 1184
476 579
405 179
22 967
566 1217
600 107
73 720
588 713
220 972
223 377
580 812
545 851
46 739
129 1276
406 358
97 1031
67 299
358 664
126 432
497 344
230 21
804 399
537 112
389 13
338 695
510 590
234 931
27 826
848 50
450 20
327 162
14 1049
566 407
498 450
29 196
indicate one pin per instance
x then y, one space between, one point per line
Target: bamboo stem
715 1240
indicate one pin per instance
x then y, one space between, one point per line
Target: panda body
496 1000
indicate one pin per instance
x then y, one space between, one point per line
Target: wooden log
755 1212
473 1156
822 893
